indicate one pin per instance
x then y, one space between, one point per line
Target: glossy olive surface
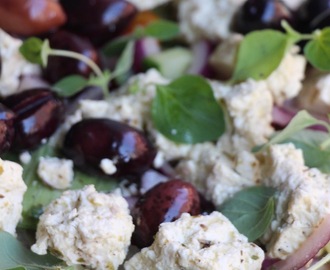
163 203
91 140
6 128
38 114
98 20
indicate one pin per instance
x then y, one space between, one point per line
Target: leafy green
70 85
185 111
259 54
317 51
125 61
15 256
251 210
117 45
31 50
162 30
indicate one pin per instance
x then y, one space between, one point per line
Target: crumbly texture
148 4
12 189
197 243
14 65
207 19
56 172
87 228
303 199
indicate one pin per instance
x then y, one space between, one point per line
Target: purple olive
163 203
311 9
261 14
98 20
91 140
59 67
6 128
38 114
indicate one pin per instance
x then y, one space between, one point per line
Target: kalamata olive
310 10
30 17
98 20
90 141
163 203
38 114
58 66
320 21
6 128
261 14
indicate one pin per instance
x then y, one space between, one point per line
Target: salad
164 134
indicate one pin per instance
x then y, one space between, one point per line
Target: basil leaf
125 61
162 30
317 51
69 85
116 46
15 256
31 50
251 210
185 111
259 54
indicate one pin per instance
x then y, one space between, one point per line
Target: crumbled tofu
197 243
87 228
148 4
13 64
303 199
56 172
25 157
12 189
207 19
108 166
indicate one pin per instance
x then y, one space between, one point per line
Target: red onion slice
150 179
317 240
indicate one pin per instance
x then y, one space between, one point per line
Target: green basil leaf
162 30
259 54
15 256
125 60
185 111
251 210
317 51
116 46
69 85
31 50
301 121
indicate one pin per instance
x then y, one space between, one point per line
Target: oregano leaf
162 30
31 50
125 60
70 85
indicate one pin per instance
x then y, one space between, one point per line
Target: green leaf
15 256
259 54
162 30
117 45
69 85
251 210
317 51
31 50
185 111
125 60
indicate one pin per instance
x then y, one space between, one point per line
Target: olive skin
38 114
163 203
99 20
59 67
91 140
7 130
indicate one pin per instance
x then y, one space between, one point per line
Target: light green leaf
116 46
259 54
185 111
125 61
251 210
31 50
162 30
69 85
15 256
317 51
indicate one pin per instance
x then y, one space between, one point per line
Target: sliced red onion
200 64
150 179
144 47
31 81
317 240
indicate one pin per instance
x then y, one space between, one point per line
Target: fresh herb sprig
261 52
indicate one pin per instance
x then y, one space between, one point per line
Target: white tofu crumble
198 243
56 172
148 4
12 189
87 228
108 166
13 64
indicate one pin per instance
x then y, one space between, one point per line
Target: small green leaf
15 256
317 51
31 50
259 54
251 210
69 85
117 45
125 60
162 30
185 111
